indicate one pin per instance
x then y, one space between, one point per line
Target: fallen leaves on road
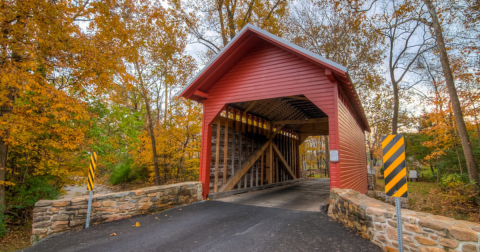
113 234
156 218
137 224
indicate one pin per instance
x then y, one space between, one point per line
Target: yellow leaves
137 224
113 234
6 183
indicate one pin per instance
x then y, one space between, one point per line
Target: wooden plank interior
225 150
241 135
248 164
217 157
282 159
234 139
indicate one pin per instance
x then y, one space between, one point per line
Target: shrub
459 196
453 180
21 198
3 226
122 173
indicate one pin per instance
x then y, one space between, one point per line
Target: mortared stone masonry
376 220
55 216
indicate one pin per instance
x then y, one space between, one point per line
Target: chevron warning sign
394 165
91 171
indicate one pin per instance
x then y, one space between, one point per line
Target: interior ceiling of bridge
284 108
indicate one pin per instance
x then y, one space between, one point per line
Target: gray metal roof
268 34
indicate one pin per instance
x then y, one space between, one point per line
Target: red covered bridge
262 97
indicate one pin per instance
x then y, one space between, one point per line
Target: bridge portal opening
257 143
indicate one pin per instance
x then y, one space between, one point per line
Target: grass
317 176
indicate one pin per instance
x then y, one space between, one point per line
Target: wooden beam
200 94
298 98
248 163
279 154
217 157
311 120
329 75
250 107
314 133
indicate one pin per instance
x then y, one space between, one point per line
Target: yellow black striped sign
91 171
394 165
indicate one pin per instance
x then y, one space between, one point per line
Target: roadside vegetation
453 197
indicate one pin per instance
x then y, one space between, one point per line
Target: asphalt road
233 224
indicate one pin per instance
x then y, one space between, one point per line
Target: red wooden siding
269 72
204 175
352 152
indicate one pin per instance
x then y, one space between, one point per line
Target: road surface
287 219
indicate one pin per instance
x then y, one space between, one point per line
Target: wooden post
294 155
247 140
261 169
217 156
287 144
290 152
241 147
269 163
276 169
251 127
257 144
234 140
299 167
225 149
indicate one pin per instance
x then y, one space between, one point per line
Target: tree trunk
475 116
438 175
4 152
457 109
150 124
152 139
396 105
164 165
3 170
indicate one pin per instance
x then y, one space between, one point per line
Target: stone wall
55 216
376 220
